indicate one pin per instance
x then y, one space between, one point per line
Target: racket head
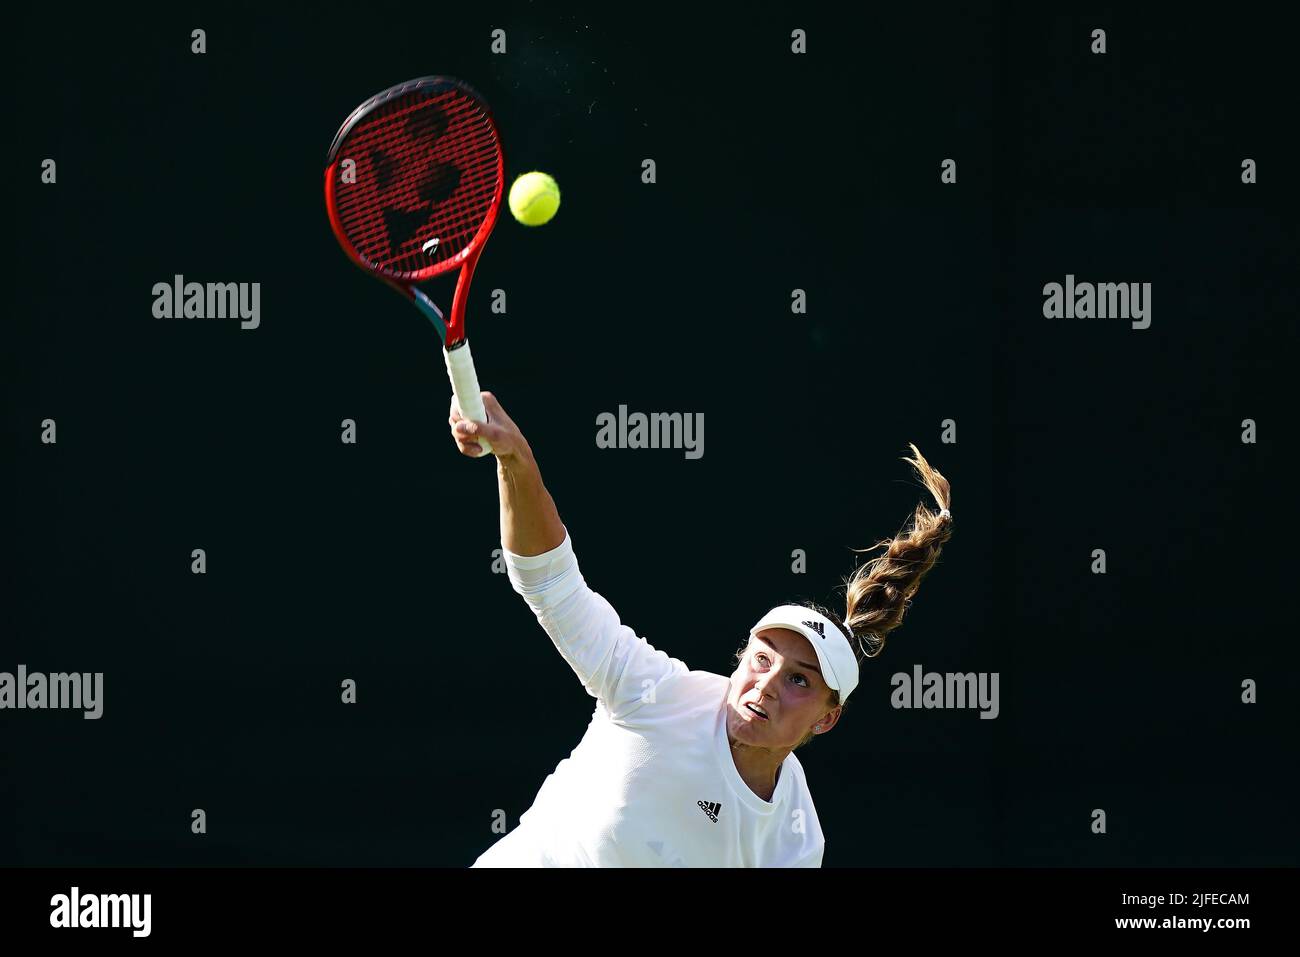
426 187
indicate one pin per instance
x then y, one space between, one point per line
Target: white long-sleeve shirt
652 783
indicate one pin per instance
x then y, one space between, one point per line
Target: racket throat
432 313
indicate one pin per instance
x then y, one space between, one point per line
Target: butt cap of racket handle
464 385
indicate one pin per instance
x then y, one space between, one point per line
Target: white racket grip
464 385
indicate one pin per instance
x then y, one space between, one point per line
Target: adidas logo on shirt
817 626
711 808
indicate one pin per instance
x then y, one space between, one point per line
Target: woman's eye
761 659
801 678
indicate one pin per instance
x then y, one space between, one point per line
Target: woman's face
778 675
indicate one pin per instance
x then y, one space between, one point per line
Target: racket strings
427 167
454 225
421 200
389 152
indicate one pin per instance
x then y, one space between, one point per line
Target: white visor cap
835 654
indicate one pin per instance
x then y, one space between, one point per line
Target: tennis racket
413 184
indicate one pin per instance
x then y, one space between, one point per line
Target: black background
775 172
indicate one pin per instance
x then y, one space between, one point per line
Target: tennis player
682 768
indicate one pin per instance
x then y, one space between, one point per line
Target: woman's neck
759 768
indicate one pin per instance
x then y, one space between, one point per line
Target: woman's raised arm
530 524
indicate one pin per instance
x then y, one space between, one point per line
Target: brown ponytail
879 592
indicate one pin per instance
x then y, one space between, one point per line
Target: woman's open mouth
757 711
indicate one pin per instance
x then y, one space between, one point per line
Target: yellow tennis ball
534 198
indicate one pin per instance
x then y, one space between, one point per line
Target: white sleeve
615 665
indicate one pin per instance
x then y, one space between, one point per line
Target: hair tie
944 513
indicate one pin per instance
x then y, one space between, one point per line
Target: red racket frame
450 330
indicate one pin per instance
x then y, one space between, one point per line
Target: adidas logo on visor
816 626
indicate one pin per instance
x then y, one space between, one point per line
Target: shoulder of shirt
792 765
688 691
801 794
708 688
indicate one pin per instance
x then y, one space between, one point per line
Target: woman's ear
830 719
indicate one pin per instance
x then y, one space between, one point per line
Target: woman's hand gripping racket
413 183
